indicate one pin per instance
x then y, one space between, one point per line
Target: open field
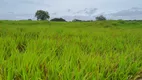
102 50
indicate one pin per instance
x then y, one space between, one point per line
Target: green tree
42 15
100 18
58 19
76 20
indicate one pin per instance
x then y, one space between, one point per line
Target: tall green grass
109 50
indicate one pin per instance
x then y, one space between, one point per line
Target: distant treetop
76 20
42 15
57 19
100 18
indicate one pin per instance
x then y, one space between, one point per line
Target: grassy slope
109 50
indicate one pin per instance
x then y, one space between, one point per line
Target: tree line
44 15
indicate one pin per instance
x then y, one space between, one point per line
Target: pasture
101 50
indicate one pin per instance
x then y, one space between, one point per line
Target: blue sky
69 9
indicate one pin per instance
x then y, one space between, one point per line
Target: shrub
121 21
114 24
29 19
57 19
76 20
100 18
107 26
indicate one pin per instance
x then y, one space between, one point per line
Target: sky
70 9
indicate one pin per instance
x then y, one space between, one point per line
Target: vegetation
30 19
100 50
76 20
100 18
42 15
58 19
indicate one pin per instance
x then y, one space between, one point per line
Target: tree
57 19
42 15
100 18
76 20
29 19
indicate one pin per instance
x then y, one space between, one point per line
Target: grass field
102 50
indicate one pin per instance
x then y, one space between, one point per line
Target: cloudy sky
70 9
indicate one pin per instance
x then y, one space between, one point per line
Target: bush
0 21
76 20
107 26
121 21
57 19
100 18
115 24
29 19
